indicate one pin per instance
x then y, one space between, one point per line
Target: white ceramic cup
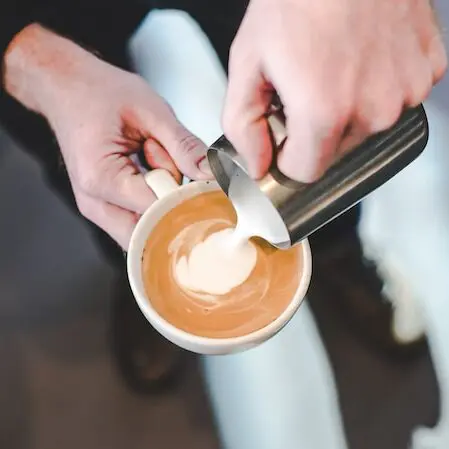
170 194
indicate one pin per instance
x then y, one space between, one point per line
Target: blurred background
59 384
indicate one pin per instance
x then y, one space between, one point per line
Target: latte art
201 282
214 266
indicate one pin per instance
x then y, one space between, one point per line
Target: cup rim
153 316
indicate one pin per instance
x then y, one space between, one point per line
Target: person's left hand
101 116
343 69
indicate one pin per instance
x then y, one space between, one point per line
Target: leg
144 358
280 395
404 228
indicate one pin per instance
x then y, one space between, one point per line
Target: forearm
38 65
97 25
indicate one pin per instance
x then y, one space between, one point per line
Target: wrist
40 66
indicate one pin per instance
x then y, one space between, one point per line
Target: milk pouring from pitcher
283 211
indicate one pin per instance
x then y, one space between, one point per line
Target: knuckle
238 113
421 89
234 54
84 209
188 144
384 116
135 80
165 108
87 181
240 60
330 116
444 61
243 59
321 104
441 67
438 58
327 119
229 122
235 126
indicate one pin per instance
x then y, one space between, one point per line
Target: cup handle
161 182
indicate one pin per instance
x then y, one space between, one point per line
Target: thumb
119 182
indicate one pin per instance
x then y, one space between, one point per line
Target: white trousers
280 395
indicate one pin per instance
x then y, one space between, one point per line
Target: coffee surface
240 291
215 264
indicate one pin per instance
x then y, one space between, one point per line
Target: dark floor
58 384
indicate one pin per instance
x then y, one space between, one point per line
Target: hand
101 115
343 69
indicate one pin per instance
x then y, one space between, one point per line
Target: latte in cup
203 281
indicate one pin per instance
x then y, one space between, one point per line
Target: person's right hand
343 70
101 115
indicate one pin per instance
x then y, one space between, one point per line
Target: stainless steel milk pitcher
283 211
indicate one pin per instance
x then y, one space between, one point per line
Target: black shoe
343 277
147 361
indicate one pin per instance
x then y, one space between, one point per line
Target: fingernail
205 167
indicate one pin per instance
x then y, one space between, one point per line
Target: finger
412 65
157 121
355 135
115 221
310 149
317 106
247 101
119 182
157 157
186 150
380 98
429 34
315 124
437 57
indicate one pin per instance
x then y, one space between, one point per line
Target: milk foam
217 264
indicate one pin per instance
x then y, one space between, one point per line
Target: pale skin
343 70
